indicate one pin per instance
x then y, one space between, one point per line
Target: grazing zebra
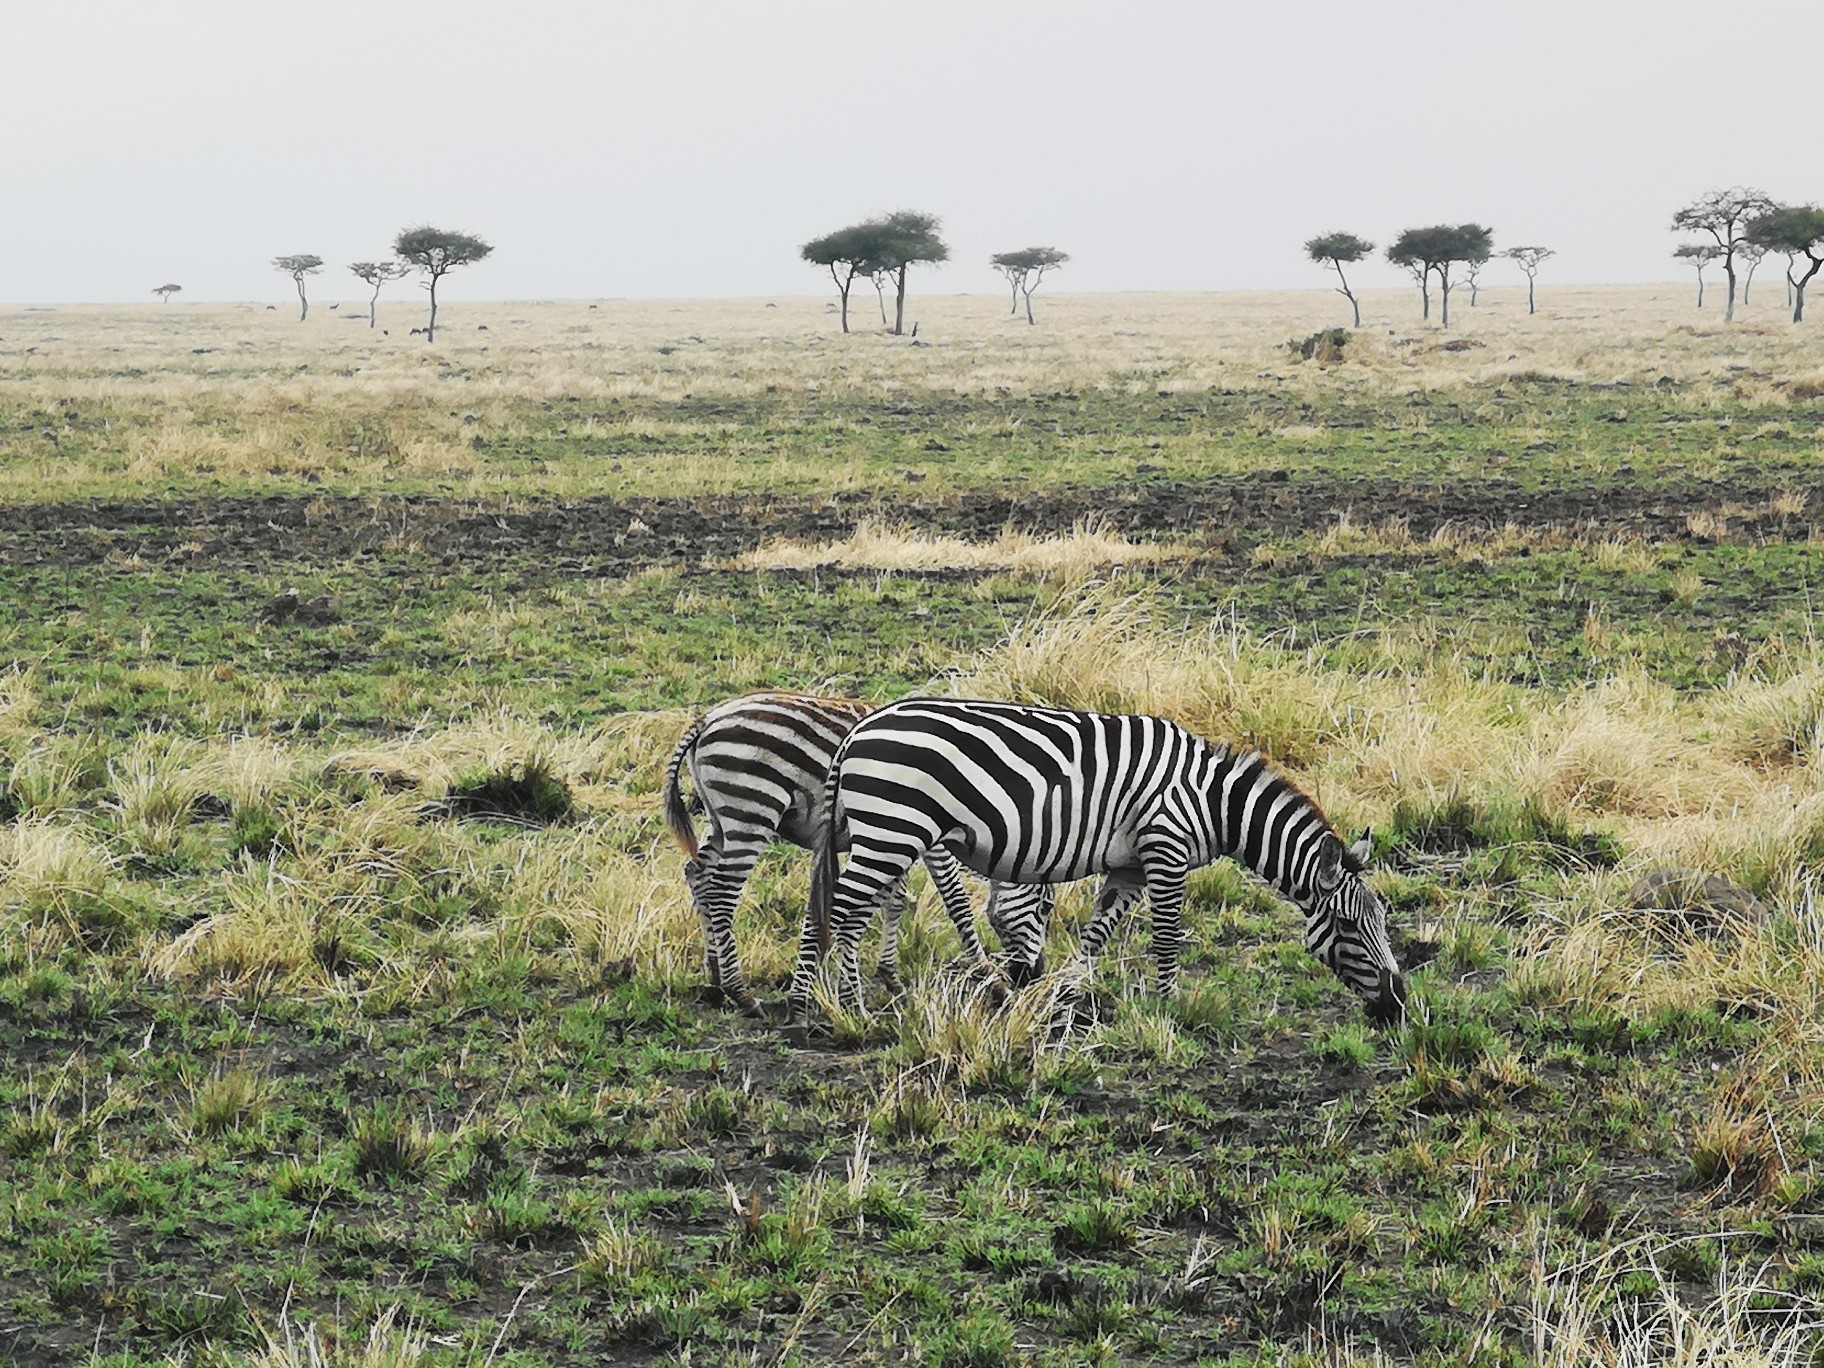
758 763
1027 794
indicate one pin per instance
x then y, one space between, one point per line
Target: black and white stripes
758 764
1026 795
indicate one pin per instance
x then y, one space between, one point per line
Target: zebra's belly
1055 864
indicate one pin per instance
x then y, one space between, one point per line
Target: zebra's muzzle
1388 1004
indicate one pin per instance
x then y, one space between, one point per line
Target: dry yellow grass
1088 549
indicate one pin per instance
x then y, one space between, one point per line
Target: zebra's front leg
947 876
1165 880
1020 914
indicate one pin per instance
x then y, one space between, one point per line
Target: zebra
1025 794
758 763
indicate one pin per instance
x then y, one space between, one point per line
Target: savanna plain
351 1000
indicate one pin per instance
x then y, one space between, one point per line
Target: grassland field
350 995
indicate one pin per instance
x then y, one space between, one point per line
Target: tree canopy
1798 231
437 252
1437 248
1332 251
1024 270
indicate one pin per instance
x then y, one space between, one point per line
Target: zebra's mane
1246 756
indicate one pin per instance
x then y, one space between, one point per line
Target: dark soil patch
609 536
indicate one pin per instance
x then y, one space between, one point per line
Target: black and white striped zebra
1029 794
758 763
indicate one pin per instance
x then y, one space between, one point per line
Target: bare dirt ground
609 536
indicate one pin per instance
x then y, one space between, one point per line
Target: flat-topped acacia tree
297 267
1700 255
1332 251
881 249
843 254
1024 270
436 252
164 292
1724 215
1438 248
1798 231
1528 260
376 274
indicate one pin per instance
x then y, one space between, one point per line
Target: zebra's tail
677 815
823 868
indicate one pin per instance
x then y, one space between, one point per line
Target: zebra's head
1346 927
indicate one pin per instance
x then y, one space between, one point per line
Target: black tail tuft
677 813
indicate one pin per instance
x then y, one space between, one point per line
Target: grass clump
527 790
389 1146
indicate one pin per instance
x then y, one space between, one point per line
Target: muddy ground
610 536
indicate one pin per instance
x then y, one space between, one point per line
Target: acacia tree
881 249
297 267
1700 255
1331 251
1752 253
1724 215
843 254
377 273
1528 259
1798 231
437 252
1472 276
905 239
1025 269
1425 250
164 292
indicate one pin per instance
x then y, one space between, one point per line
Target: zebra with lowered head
758 765
1043 795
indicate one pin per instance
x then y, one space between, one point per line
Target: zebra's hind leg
947 876
858 890
716 890
895 909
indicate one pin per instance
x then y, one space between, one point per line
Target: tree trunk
1748 282
1700 289
1529 294
1425 296
880 300
1729 272
1444 283
430 331
1016 296
303 303
1349 294
1798 288
1029 318
373 306
899 311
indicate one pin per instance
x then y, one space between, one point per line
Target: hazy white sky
667 148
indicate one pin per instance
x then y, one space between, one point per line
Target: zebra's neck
1262 820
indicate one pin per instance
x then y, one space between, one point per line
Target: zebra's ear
1356 858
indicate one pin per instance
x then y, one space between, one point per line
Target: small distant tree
1528 259
907 238
1724 215
436 252
1798 231
297 267
1472 276
881 249
1332 251
1699 255
1423 251
843 254
376 274
164 292
1025 269
1752 254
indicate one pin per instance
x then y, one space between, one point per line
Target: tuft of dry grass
1087 550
